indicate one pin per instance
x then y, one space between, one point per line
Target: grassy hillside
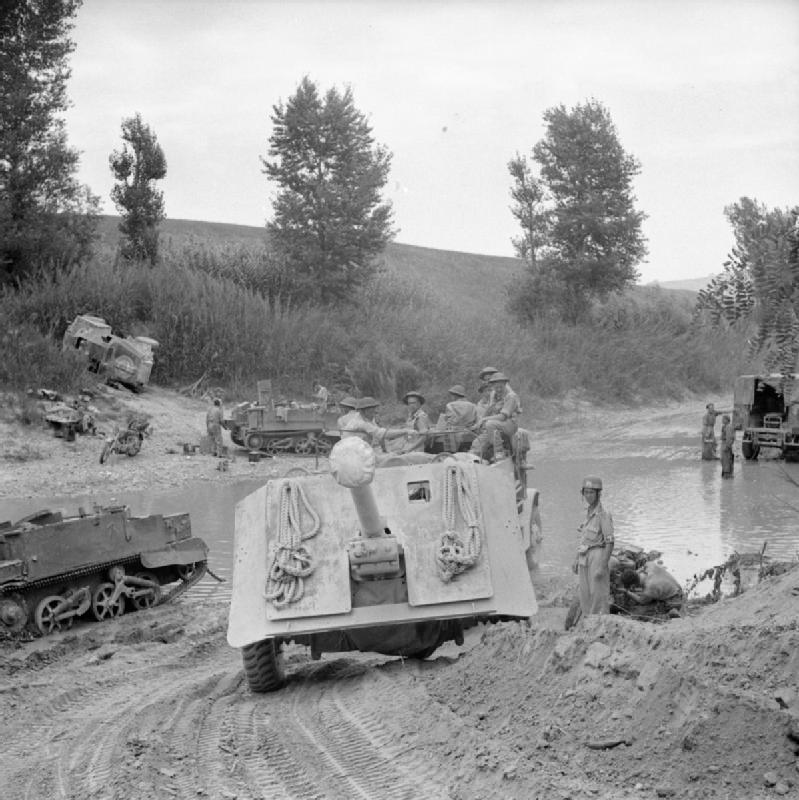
470 281
431 319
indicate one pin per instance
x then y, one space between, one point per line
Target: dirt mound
700 707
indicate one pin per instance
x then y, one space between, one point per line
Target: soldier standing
727 441
594 551
213 424
709 433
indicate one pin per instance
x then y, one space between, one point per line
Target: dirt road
154 705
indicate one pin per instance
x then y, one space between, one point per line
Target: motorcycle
126 440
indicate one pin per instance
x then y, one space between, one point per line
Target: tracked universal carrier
55 568
395 560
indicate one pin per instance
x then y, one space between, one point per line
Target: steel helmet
592 482
348 402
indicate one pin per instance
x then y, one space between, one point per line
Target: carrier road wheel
45 616
303 446
102 606
13 613
147 597
255 441
263 666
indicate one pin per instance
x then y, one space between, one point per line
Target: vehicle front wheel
263 666
255 441
749 450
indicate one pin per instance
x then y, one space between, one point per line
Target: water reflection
681 507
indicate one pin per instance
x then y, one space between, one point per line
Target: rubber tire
255 441
790 453
263 666
749 450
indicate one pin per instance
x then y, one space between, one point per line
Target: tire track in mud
92 723
322 738
179 725
97 759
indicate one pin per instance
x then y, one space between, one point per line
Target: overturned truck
395 560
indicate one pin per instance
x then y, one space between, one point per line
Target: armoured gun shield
451 553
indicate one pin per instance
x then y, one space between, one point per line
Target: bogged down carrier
395 560
54 569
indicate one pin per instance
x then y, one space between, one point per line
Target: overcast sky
704 94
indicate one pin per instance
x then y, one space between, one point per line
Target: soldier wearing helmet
417 424
362 424
594 551
498 424
347 404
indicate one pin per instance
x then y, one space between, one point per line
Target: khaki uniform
507 408
593 552
213 424
364 429
727 457
344 419
414 442
709 435
459 414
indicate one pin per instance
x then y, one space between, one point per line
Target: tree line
580 233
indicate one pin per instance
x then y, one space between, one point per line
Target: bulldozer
395 560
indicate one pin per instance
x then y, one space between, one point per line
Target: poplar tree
47 219
582 235
137 167
330 221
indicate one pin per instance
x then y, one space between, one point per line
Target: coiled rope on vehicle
291 560
454 555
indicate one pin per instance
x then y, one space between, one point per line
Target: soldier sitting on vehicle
348 405
498 425
459 417
321 396
362 424
417 424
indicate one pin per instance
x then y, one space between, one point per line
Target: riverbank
34 463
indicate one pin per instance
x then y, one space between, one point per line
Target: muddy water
661 494
668 499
